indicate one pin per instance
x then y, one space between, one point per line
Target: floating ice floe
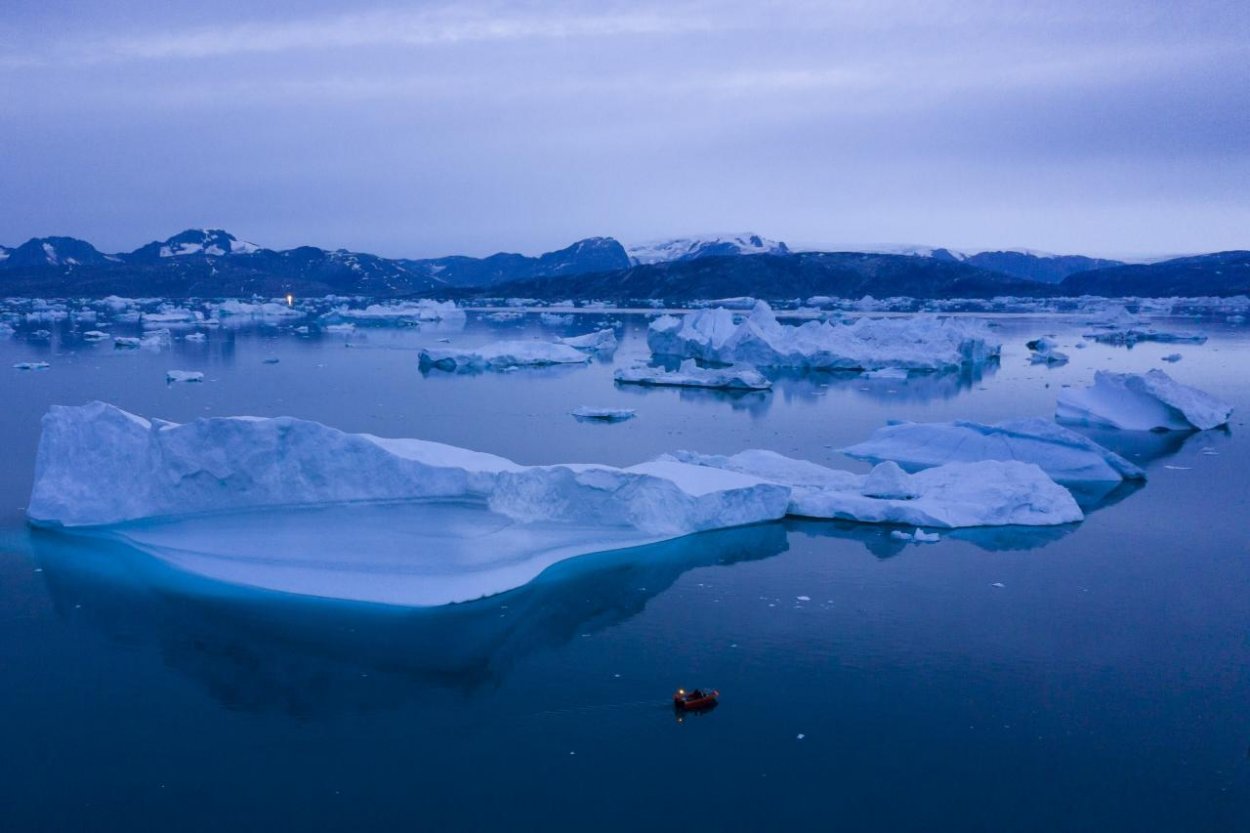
184 376
31 366
254 501
913 343
501 355
1172 358
195 338
598 341
398 312
1045 351
1065 455
94 335
604 414
986 493
1151 401
690 375
1129 337
150 341
553 319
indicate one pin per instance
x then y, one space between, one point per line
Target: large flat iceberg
502 355
986 493
914 342
1151 401
242 499
690 375
1065 455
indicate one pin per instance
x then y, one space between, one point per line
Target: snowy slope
692 248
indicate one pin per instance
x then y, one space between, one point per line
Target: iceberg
985 493
1129 337
173 376
598 341
690 375
1066 456
604 414
1151 401
501 355
924 343
254 500
400 312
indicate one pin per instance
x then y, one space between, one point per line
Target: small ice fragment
800 736
804 598
603 414
31 366
172 376
1178 468
271 360
998 584
1172 357
920 536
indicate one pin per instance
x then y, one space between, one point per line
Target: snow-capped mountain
65 252
202 242
692 248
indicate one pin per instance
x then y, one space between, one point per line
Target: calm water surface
1091 677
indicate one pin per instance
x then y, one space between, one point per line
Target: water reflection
878 540
271 653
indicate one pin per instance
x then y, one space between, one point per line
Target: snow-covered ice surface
690 375
99 466
914 343
501 355
1150 401
1065 455
986 493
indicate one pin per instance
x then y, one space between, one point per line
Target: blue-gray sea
1087 677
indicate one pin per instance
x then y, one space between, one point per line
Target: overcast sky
423 129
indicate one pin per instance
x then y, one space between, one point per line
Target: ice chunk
1172 358
95 335
197 338
692 376
986 493
599 341
31 366
915 343
184 376
552 319
1045 351
399 312
1065 455
1141 402
604 414
501 355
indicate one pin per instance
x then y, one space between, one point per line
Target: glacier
985 493
1151 401
925 343
502 355
1066 456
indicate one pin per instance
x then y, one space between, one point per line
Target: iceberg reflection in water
266 652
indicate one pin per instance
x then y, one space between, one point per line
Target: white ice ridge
1065 455
501 355
599 340
986 493
914 342
690 375
98 464
1141 402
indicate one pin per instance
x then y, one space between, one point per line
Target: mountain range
215 263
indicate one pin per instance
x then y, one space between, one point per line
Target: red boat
695 699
